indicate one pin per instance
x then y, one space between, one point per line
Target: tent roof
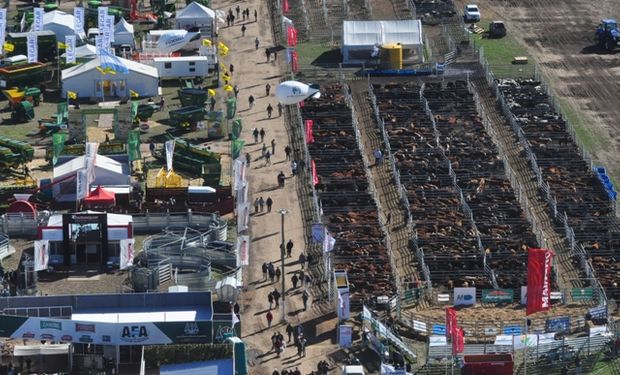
84 51
195 10
133 67
30 350
369 33
101 195
60 18
123 27
77 163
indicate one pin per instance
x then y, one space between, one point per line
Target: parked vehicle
471 13
497 29
607 35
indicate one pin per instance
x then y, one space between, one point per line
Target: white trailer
177 67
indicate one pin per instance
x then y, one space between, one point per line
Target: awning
31 350
100 197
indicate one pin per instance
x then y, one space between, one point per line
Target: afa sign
136 333
464 296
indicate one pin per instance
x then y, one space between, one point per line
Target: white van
353 370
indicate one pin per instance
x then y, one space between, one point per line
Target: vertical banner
328 242
243 251
41 255
169 153
318 233
539 262
315 177
309 132
33 48
127 251
102 13
2 28
70 51
109 24
294 62
81 183
98 45
37 24
243 216
450 321
285 6
458 341
291 35
78 20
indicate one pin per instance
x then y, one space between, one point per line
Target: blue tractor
607 34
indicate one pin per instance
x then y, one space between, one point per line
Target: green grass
311 52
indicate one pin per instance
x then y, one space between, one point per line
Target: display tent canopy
195 10
369 33
100 196
61 24
123 27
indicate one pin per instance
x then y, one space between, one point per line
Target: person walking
261 203
238 10
255 133
302 344
294 280
302 260
378 157
273 147
294 168
248 159
269 318
262 134
302 277
278 274
243 28
269 202
308 280
267 89
251 101
298 344
276 296
304 298
272 274
232 19
255 15
388 220
309 260
236 91
289 331
263 150
270 299
269 111
228 20
279 109
264 269
267 158
287 151
212 104
256 206
281 179
231 69
162 103
289 248
256 43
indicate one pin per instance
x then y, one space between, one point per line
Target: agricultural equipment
58 121
192 97
22 75
497 29
187 117
16 96
112 148
46 42
18 147
607 35
194 159
22 112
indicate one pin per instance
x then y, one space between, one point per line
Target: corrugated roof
369 33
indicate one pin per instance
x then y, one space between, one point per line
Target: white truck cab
353 370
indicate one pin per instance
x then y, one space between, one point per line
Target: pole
525 350
283 277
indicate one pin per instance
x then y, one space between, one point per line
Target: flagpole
525 349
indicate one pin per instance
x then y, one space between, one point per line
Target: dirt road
251 74
559 35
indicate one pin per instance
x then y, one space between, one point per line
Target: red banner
309 132
315 177
301 104
294 62
291 35
458 341
285 7
450 321
539 264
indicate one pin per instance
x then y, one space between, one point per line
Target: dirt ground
559 35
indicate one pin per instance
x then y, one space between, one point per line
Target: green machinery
194 159
22 112
22 75
187 117
46 41
13 153
112 148
192 97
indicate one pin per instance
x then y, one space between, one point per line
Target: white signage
169 153
98 45
243 251
37 24
127 251
2 28
70 51
41 255
33 48
464 296
419 326
102 13
524 295
345 335
81 184
78 20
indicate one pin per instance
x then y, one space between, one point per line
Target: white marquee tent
196 15
86 80
123 34
360 37
84 52
61 24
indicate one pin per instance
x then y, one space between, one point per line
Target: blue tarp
217 367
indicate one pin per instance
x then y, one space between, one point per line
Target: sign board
524 295
490 331
598 331
558 324
464 296
438 340
513 330
439 329
598 312
419 326
345 335
582 294
497 295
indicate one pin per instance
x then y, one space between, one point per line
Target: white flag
41 255
33 48
127 251
169 153
91 149
102 13
328 243
110 26
37 24
78 20
243 250
98 45
105 31
2 28
81 184
22 23
70 51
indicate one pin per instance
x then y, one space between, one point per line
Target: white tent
107 172
124 34
84 52
360 37
86 80
196 15
61 24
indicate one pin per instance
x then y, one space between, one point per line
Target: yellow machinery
392 56
168 179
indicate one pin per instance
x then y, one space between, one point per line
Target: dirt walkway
251 74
